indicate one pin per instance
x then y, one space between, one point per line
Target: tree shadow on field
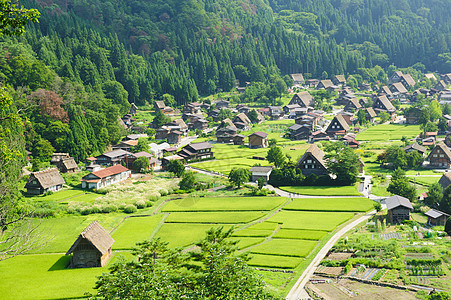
60 264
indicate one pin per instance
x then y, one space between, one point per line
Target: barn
92 247
398 209
41 182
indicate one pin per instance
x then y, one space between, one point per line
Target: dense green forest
77 70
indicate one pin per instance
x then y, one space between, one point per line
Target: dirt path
298 292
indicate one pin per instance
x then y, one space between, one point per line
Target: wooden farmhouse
159 105
353 105
337 127
258 172
383 104
275 112
430 76
396 77
242 122
446 78
41 182
398 88
440 156
398 209
298 79
152 160
238 139
436 217
385 90
192 108
113 157
133 109
440 86
226 134
407 81
92 247
196 151
220 104
312 162
415 147
165 160
339 80
258 140
370 114
125 145
303 99
299 132
200 124
324 84
64 162
105 177
445 180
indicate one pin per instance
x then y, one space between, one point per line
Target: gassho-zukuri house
92 248
105 177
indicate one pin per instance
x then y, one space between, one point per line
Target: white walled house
105 177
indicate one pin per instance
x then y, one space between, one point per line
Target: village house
396 77
105 177
337 127
290 108
159 105
258 172
92 247
112 158
242 108
398 209
299 112
41 182
179 125
196 151
339 80
298 79
436 217
415 147
168 111
134 137
324 84
258 140
192 108
152 160
385 90
353 105
440 156
370 114
312 162
200 124
275 112
226 122
125 145
445 180
430 76
366 87
238 139
165 160
303 99
407 81
413 115
64 163
225 135
220 104
446 78
174 137
381 104
242 122
299 132
133 109
162 133
318 136
398 88
206 106
440 86
312 82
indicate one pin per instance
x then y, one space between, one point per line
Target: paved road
298 291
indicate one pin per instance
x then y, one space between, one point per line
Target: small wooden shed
436 217
398 209
92 247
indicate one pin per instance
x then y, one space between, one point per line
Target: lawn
389 132
357 204
424 180
322 190
45 277
238 217
299 234
178 234
60 195
285 247
203 204
310 220
274 261
135 229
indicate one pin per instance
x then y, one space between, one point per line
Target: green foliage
445 202
399 185
377 206
238 176
276 156
216 270
141 164
43 150
435 194
143 145
448 226
130 208
160 119
342 162
14 18
384 116
176 167
188 181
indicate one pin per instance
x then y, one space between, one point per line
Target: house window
309 161
438 150
435 155
441 155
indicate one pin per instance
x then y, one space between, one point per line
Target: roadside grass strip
322 190
179 235
326 221
299 234
247 242
274 261
203 204
135 229
285 247
357 204
389 132
238 217
45 277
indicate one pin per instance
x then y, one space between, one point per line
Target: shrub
140 204
95 209
129 209
86 211
163 192
347 268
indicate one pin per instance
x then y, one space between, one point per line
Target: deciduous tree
238 176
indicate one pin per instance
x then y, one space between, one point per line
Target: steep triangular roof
444 149
305 98
316 152
97 236
339 118
386 103
396 200
408 79
297 77
242 118
399 87
47 178
371 112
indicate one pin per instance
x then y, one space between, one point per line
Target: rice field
285 247
389 132
357 204
135 229
322 190
309 220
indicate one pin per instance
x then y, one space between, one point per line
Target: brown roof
430 76
97 236
415 147
326 83
400 87
371 112
297 77
143 153
180 123
69 163
385 90
444 148
116 169
305 97
388 105
410 81
243 118
47 178
227 122
340 120
355 102
200 146
260 134
340 78
160 104
445 180
316 152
